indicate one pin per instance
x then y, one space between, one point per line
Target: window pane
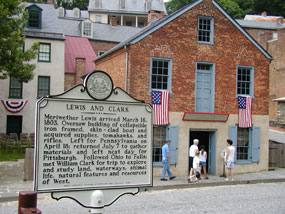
43 86
44 52
34 19
160 74
243 144
159 135
204 29
244 82
15 90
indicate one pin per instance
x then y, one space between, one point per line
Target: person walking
192 151
229 159
203 161
165 161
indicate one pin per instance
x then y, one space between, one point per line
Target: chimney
280 21
51 2
113 20
264 13
80 64
154 15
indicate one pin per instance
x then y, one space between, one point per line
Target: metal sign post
93 143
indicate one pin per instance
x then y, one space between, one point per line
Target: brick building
269 32
200 53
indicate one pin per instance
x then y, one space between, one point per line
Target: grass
12 151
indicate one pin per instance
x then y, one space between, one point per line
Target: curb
184 186
200 185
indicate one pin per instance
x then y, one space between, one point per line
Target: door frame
212 149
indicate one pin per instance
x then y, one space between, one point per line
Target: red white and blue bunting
14 107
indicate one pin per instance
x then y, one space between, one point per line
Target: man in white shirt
192 151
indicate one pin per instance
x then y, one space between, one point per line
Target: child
196 167
203 161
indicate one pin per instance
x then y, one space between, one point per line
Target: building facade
44 28
205 60
269 32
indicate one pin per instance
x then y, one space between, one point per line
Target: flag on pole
245 111
160 100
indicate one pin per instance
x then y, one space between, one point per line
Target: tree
231 6
14 61
273 7
70 4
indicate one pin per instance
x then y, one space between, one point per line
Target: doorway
208 140
14 125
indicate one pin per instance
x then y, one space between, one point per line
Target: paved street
255 198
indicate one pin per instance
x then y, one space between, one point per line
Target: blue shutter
173 136
233 137
255 143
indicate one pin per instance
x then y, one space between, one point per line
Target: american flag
245 111
160 101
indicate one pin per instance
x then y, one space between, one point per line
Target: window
244 80
160 73
205 30
35 16
76 12
159 136
148 5
247 143
275 36
87 29
44 52
100 53
43 86
243 144
98 4
129 23
15 90
98 18
60 12
123 4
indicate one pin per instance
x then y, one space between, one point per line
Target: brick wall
277 67
178 41
72 79
101 46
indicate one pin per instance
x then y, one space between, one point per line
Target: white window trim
83 25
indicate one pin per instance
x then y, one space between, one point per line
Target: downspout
127 63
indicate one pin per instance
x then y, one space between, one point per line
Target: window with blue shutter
247 143
255 144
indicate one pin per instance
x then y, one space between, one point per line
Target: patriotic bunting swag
245 111
14 107
160 100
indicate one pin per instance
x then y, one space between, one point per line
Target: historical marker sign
84 143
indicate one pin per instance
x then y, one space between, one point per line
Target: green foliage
238 8
14 61
272 7
70 4
174 5
12 151
232 8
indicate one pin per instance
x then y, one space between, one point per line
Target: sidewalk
11 180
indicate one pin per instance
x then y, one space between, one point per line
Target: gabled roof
132 6
101 32
260 24
78 47
160 23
